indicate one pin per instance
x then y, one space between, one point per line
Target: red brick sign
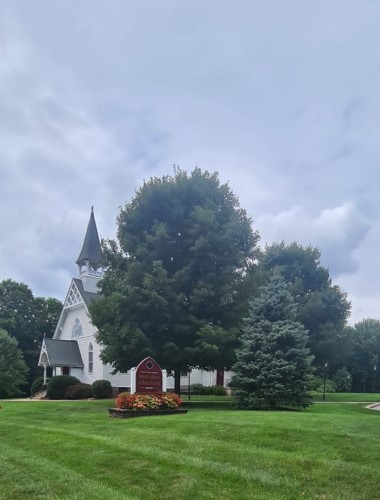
148 376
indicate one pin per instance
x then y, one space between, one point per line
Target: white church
73 350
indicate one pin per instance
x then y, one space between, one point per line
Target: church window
77 330
90 359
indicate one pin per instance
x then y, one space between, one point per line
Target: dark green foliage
322 308
27 319
101 389
78 391
219 390
58 385
342 380
13 369
37 385
200 389
318 385
172 281
273 365
215 390
363 364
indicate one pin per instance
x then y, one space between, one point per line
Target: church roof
91 249
63 353
86 296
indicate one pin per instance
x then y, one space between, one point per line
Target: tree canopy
13 369
363 361
273 366
27 319
322 308
171 289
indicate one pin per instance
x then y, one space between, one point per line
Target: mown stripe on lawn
181 457
73 484
263 456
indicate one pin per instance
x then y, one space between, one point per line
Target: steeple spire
90 258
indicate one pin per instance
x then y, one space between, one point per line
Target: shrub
200 389
78 391
219 390
146 402
342 380
101 389
58 385
204 390
37 385
329 386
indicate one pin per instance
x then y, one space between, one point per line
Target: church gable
73 296
74 321
74 325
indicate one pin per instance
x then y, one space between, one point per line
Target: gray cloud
281 99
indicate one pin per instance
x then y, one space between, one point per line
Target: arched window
77 329
90 359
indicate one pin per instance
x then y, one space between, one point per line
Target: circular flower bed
148 402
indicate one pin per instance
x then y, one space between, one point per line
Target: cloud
281 99
337 232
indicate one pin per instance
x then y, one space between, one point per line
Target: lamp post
374 378
324 381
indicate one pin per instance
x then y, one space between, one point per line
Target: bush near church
147 402
101 389
58 386
78 391
215 390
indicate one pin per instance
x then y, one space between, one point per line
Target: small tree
342 380
13 369
273 365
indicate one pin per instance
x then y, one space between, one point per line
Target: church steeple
90 258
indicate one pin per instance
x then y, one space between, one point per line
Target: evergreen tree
322 307
273 363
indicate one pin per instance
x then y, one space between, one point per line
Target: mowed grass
73 450
335 397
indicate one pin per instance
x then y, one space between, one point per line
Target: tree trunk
177 382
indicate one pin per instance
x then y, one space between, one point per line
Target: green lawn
73 450
334 397
347 396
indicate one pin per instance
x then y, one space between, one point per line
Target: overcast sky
281 98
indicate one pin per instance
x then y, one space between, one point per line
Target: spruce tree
273 363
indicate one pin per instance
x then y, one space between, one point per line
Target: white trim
67 308
43 351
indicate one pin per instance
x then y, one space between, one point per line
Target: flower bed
139 405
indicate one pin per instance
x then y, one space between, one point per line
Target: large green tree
365 354
273 366
322 307
171 289
13 369
27 319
